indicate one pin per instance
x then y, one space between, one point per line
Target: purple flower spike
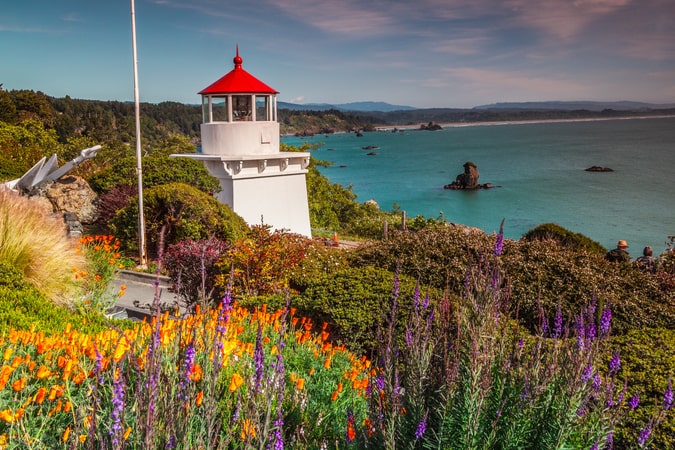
668 396
634 402
645 433
587 373
557 324
615 362
499 243
421 428
605 321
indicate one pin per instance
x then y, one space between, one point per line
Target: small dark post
404 221
385 231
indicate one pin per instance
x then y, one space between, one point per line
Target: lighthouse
240 147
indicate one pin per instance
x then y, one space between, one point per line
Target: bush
261 263
191 265
354 302
10 169
647 360
35 243
23 307
564 237
157 170
181 212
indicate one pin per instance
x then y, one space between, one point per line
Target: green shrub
183 212
564 237
354 302
647 361
543 275
10 169
23 307
157 170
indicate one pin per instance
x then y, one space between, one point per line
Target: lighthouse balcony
240 138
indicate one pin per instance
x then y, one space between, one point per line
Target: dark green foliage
647 361
542 275
354 302
22 306
564 237
10 169
437 255
157 170
181 212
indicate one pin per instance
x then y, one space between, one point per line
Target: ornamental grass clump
36 244
465 375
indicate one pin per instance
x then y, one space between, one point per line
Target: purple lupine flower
668 396
591 332
587 373
421 428
594 446
615 363
579 330
544 325
525 393
379 382
408 337
597 381
259 360
416 298
425 302
556 332
605 321
223 318
609 442
277 438
117 409
634 402
499 243
643 437
188 367
521 343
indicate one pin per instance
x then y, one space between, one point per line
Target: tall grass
36 244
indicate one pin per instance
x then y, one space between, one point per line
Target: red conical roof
238 81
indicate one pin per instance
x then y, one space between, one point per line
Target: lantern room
239 115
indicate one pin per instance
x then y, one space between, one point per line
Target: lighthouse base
263 189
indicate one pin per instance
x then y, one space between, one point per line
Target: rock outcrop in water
468 179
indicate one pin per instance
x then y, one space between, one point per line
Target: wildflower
43 372
236 382
277 438
200 398
421 427
118 407
19 384
300 384
66 433
605 321
643 437
188 366
351 433
7 415
499 243
247 429
557 323
634 402
259 359
668 396
615 363
609 441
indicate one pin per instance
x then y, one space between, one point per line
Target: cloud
562 18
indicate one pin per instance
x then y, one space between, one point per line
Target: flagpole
139 167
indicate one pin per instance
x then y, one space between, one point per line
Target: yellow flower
7 415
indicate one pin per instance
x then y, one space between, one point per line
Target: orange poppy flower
236 382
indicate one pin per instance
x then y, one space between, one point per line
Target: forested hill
106 121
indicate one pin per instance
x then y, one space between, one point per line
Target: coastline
523 122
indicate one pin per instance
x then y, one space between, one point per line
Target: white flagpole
139 167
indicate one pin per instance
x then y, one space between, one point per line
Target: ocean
537 170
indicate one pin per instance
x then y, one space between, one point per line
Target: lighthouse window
261 108
218 109
241 107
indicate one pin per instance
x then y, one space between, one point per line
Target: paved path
140 291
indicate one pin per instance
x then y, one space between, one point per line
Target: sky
422 53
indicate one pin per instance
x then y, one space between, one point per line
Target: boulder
70 194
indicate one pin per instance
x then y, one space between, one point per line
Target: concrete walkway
140 290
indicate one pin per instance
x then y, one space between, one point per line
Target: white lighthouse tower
240 147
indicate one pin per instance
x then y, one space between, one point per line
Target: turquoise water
539 168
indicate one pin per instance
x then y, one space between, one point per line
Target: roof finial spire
237 59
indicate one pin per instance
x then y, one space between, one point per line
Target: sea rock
431 126
599 169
